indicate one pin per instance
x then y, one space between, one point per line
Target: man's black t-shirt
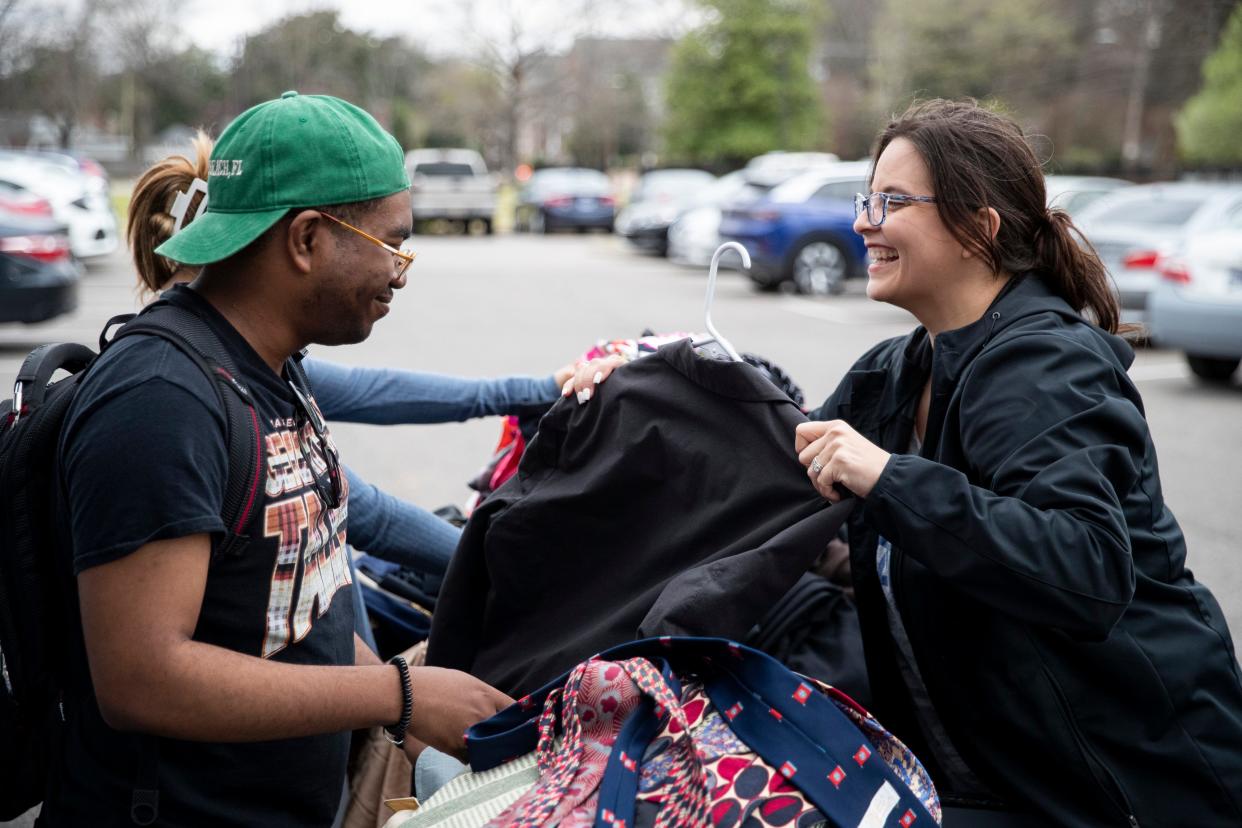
144 457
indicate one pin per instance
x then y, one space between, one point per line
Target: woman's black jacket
1076 665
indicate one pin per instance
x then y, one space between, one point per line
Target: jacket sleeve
459 621
387 396
1055 444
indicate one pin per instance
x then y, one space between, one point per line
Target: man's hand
590 374
139 614
446 703
833 452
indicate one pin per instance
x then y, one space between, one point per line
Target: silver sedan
1197 307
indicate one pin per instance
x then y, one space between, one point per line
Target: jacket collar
737 380
1023 295
882 393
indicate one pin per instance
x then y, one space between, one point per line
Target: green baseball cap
296 151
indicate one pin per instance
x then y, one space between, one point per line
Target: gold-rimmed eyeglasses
401 259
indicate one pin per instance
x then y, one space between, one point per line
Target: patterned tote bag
691 732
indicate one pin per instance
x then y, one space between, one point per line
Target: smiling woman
1030 626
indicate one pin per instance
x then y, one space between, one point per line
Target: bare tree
520 43
50 64
11 29
508 40
1151 32
140 34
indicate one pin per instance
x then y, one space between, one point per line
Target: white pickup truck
451 184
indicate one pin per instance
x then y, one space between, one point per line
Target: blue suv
802 231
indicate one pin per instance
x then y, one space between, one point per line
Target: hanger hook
720 251
711 292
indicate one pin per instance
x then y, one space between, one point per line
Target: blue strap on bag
786 721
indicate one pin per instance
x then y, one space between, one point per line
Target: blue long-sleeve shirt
379 523
388 396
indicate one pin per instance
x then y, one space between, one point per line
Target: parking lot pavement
527 304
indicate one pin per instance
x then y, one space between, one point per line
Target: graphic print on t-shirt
310 561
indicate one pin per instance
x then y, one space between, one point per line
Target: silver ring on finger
816 467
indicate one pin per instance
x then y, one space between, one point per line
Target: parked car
38 274
15 199
1197 305
90 169
559 197
451 184
695 235
658 199
784 164
78 200
802 231
1132 227
1072 193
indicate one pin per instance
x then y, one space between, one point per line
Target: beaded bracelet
396 733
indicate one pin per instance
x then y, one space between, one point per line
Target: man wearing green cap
222 686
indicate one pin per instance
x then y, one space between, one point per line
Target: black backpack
38 594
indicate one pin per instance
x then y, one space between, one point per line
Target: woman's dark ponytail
1074 271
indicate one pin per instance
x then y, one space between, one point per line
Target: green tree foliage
742 85
1007 49
1209 128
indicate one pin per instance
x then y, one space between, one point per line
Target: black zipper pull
1133 821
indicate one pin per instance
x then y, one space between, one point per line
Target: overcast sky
439 26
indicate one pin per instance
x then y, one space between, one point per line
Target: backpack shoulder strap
297 371
190 333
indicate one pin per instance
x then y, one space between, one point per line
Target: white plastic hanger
711 296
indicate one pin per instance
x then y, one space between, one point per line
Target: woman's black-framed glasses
327 483
875 205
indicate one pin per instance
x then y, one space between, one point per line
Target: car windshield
841 190
671 184
750 193
444 169
1155 212
589 182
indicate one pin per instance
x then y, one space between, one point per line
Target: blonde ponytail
150 223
